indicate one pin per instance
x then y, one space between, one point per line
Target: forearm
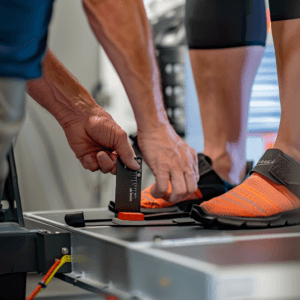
60 92
124 32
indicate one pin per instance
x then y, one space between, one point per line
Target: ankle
231 170
288 149
243 173
221 163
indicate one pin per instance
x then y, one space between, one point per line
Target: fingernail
136 164
89 160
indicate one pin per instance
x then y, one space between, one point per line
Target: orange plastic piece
112 298
130 216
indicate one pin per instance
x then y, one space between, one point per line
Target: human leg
263 196
287 46
226 42
223 79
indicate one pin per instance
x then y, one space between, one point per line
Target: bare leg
259 196
223 79
12 112
287 49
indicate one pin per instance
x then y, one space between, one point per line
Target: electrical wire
37 289
50 274
65 258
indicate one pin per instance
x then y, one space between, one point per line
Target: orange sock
257 196
150 202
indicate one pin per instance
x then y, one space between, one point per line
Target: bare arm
124 32
123 29
92 133
60 92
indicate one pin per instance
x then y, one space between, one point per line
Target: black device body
128 187
23 250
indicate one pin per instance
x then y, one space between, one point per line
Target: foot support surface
286 218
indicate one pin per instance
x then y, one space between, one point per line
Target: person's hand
170 159
97 140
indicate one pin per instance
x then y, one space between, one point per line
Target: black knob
75 220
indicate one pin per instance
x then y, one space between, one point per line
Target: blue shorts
23 37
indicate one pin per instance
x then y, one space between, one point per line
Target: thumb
127 155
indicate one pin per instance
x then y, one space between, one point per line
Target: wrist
149 127
150 114
77 110
149 124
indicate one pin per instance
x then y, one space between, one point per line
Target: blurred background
51 178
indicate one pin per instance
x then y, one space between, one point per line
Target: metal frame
179 262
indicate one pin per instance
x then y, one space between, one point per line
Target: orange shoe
269 197
210 185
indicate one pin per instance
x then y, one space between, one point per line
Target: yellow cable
64 259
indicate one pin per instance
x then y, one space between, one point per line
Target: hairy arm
123 29
92 133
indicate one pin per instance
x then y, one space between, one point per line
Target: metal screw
64 251
139 160
139 175
57 232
